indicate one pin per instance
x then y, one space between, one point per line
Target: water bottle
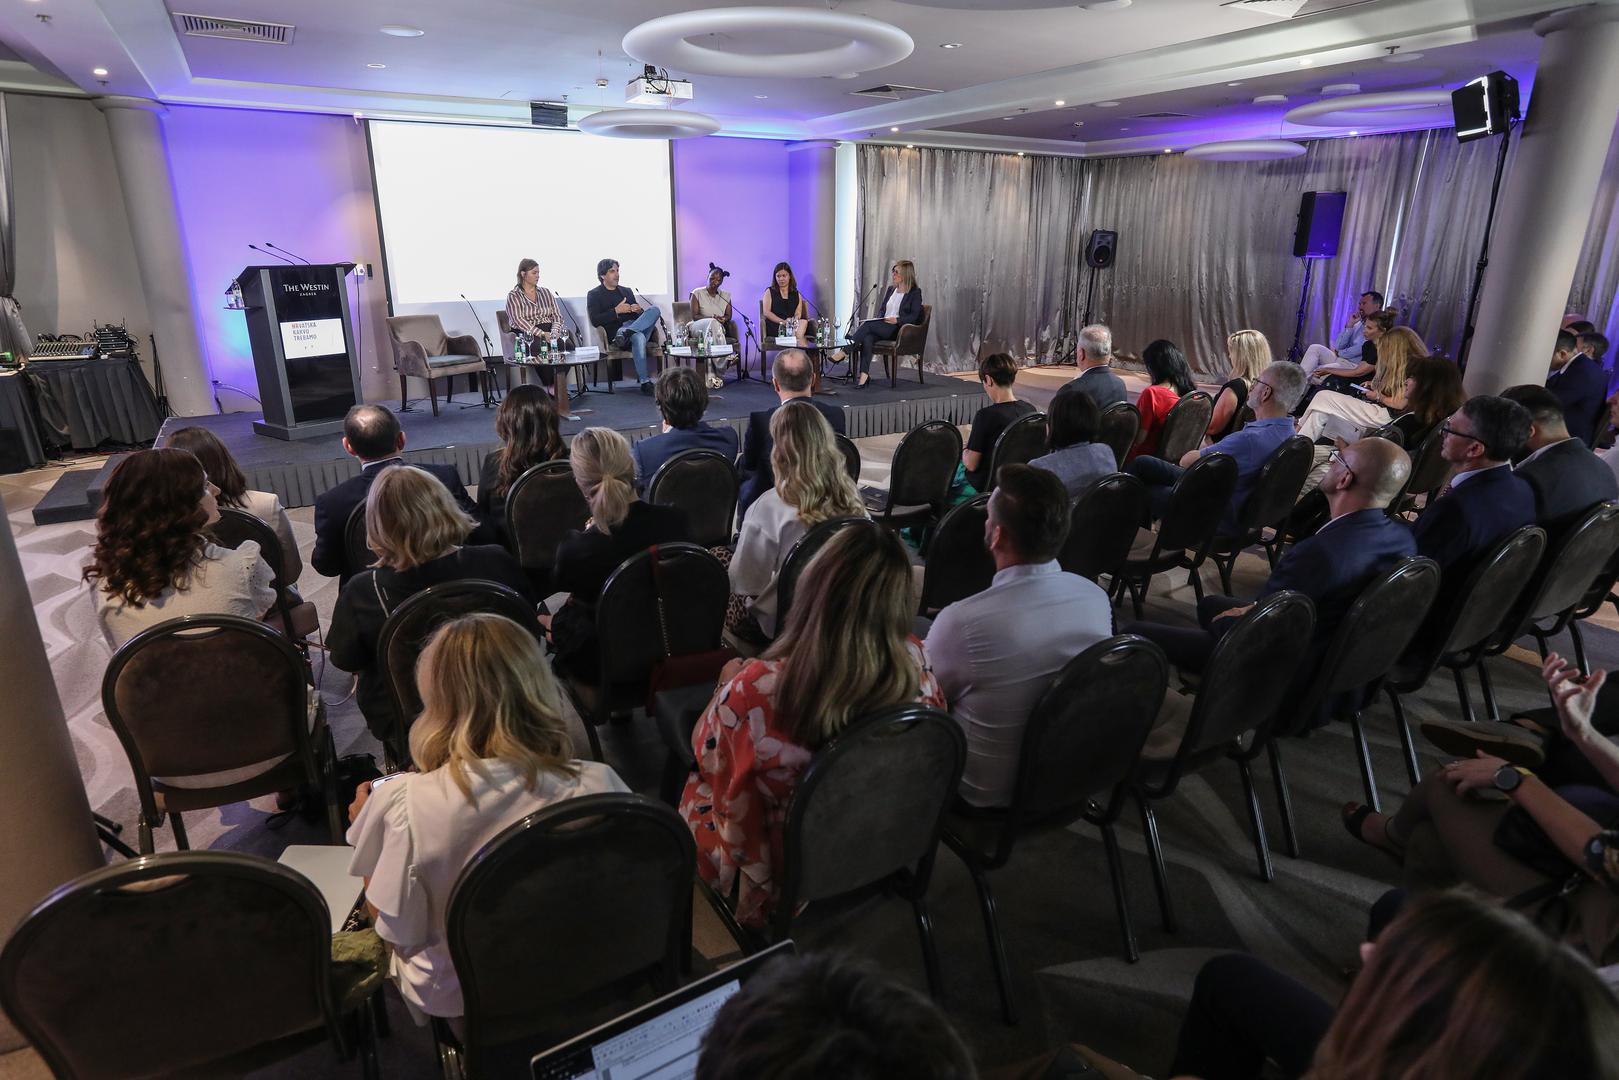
520 350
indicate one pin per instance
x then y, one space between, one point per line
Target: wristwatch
1508 777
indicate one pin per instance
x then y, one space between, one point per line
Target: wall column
49 838
136 128
812 220
1547 198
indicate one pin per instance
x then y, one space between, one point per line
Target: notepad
327 868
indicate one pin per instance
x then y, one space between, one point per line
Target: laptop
658 1041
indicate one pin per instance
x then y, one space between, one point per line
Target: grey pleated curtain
1205 248
1596 282
13 334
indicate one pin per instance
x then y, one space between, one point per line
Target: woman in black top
997 373
621 525
417 531
782 302
1249 354
530 434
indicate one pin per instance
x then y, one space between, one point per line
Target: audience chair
1390 431
566 919
958 564
298 620
1247 681
919 481
912 341
421 349
1601 592
868 810
1185 426
799 557
616 359
1428 472
664 603
357 553
207 963
1269 502
406 632
543 506
1081 746
1185 532
1023 440
1460 636
704 484
1120 423
1103 525
851 455
206 694
1376 632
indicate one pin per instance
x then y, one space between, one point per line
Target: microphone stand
488 349
854 320
742 361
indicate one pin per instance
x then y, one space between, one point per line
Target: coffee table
701 362
561 370
818 354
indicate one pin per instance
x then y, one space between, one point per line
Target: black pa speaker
547 114
1486 106
1321 219
1101 248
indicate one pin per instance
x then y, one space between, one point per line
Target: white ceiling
485 59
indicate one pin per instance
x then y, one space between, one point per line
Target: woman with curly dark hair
530 433
152 561
226 475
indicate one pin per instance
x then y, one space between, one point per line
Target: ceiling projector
655 87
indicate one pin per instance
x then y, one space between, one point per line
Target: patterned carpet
1055 903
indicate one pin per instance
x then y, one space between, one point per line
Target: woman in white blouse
491 748
812 486
152 562
227 476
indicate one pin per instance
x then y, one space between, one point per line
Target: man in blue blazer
791 376
372 434
1581 385
1332 567
1568 479
682 399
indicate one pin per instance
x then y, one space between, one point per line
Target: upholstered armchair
912 341
423 350
508 337
617 359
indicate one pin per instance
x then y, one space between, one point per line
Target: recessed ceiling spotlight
1079 123
910 146
1107 104
1166 150
1059 103
396 30
761 97
1271 99
99 72
1402 57
893 129
376 67
1020 153
1341 88
1234 83
951 45
1354 133
1107 5
1008 118
1305 61
1124 129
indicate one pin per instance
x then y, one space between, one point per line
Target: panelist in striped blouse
529 307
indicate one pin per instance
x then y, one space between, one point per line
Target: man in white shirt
996 653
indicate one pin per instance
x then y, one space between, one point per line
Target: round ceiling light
744 41
1106 104
1400 108
1402 58
648 124
1106 5
1245 150
396 30
1271 99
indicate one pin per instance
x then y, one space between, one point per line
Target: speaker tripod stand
1295 352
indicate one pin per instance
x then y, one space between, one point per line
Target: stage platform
299 471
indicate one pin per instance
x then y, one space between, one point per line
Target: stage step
76 496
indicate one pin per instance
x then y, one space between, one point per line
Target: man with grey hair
1096 381
792 375
1274 396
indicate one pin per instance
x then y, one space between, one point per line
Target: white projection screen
460 205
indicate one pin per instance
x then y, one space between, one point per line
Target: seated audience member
1332 567
1444 833
996 653
1594 345
1248 352
418 533
490 748
1272 398
1075 457
621 525
996 374
791 376
530 434
152 562
1345 354
829 1015
812 486
682 399
226 475
372 434
1568 479
845 651
1346 416
1171 381
1580 384
1094 355
1455 988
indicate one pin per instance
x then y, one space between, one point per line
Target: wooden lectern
303 347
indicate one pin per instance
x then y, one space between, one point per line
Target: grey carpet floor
1055 904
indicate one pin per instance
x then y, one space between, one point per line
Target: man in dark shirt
791 375
1096 379
1581 385
682 398
614 308
997 373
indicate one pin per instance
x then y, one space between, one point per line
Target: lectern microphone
284 251
262 251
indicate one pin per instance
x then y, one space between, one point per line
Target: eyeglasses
1338 456
1446 429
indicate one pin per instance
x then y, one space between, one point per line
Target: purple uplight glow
731 209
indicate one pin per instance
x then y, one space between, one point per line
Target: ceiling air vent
893 92
209 26
1290 9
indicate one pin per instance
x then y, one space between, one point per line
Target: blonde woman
1349 417
1249 354
901 306
490 748
845 651
419 534
812 486
621 525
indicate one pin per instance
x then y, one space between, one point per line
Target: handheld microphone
300 258
487 348
261 251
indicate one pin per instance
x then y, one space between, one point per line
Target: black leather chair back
236 526
1120 423
357 554
851 455
1578 559
704 484
958 563
807 547
1185 426
924 465
1276 489
1428 468
1023 440
1104 522
1494 589
1197 503
542 507
666 601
